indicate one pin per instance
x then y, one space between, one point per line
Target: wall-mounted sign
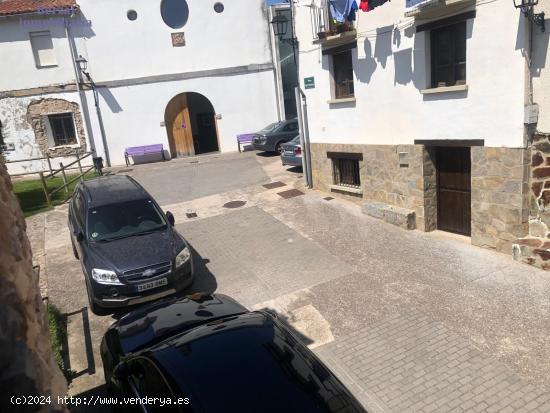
309 82
178 39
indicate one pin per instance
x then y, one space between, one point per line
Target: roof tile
10 7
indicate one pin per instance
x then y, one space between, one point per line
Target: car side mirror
170 218
121 371
79 236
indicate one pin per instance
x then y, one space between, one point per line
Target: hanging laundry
375 3
340 9
352 13
364 6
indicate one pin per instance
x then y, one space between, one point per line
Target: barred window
63 130
346 169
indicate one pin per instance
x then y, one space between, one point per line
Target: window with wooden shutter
448 55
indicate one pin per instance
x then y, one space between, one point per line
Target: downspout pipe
78 80
304 135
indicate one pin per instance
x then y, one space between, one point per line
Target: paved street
410 321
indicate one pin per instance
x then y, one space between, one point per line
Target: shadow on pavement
286 321
268 154
205 282
87 344
295 169
91 401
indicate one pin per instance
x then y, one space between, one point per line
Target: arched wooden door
179 128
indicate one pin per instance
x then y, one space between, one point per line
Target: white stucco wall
123 49
541 70
17 131
132 115
390 71
119 51
18 68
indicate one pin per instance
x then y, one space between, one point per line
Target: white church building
187 74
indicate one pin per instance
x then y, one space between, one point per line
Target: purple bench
244 139
142 150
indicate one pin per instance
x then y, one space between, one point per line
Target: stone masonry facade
36 117
500 196
405 176
534 249
383 179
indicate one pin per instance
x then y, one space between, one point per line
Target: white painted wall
541 70
120 50
16 130
132 115
390 71
18 69
123 49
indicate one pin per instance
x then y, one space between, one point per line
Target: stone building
422 111
182 73
27 365
534 248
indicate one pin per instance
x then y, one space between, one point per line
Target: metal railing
325 25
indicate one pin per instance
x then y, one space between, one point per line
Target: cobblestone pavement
411 322
410 363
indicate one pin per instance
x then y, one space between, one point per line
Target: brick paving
411 363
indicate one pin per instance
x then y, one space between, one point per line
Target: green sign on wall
309 82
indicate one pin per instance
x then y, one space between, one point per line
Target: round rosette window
174 13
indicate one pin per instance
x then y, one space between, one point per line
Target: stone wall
500 176
500 196
534 248
36 117
384 178
27 366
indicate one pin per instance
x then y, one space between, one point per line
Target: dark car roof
163 319
112 189
250 363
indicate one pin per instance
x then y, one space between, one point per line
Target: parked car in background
291 152
221 357
271 138
129 251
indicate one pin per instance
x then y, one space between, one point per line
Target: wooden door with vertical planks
178 126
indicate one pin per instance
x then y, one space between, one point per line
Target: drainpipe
81 94
304 135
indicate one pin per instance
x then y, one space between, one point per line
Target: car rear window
270 128
124 219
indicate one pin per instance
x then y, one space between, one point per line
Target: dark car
129 251
211 354
271 137
291 152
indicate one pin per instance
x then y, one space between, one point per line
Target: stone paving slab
500 306
411 363
256 257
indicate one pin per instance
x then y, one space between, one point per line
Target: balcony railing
324 25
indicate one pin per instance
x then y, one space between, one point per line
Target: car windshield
270 128
296 140
115 221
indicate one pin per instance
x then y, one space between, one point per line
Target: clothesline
400 26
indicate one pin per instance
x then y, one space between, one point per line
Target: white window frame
49 132
48 54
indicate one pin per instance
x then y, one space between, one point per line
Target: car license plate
152 284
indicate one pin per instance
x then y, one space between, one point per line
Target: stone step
401 217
